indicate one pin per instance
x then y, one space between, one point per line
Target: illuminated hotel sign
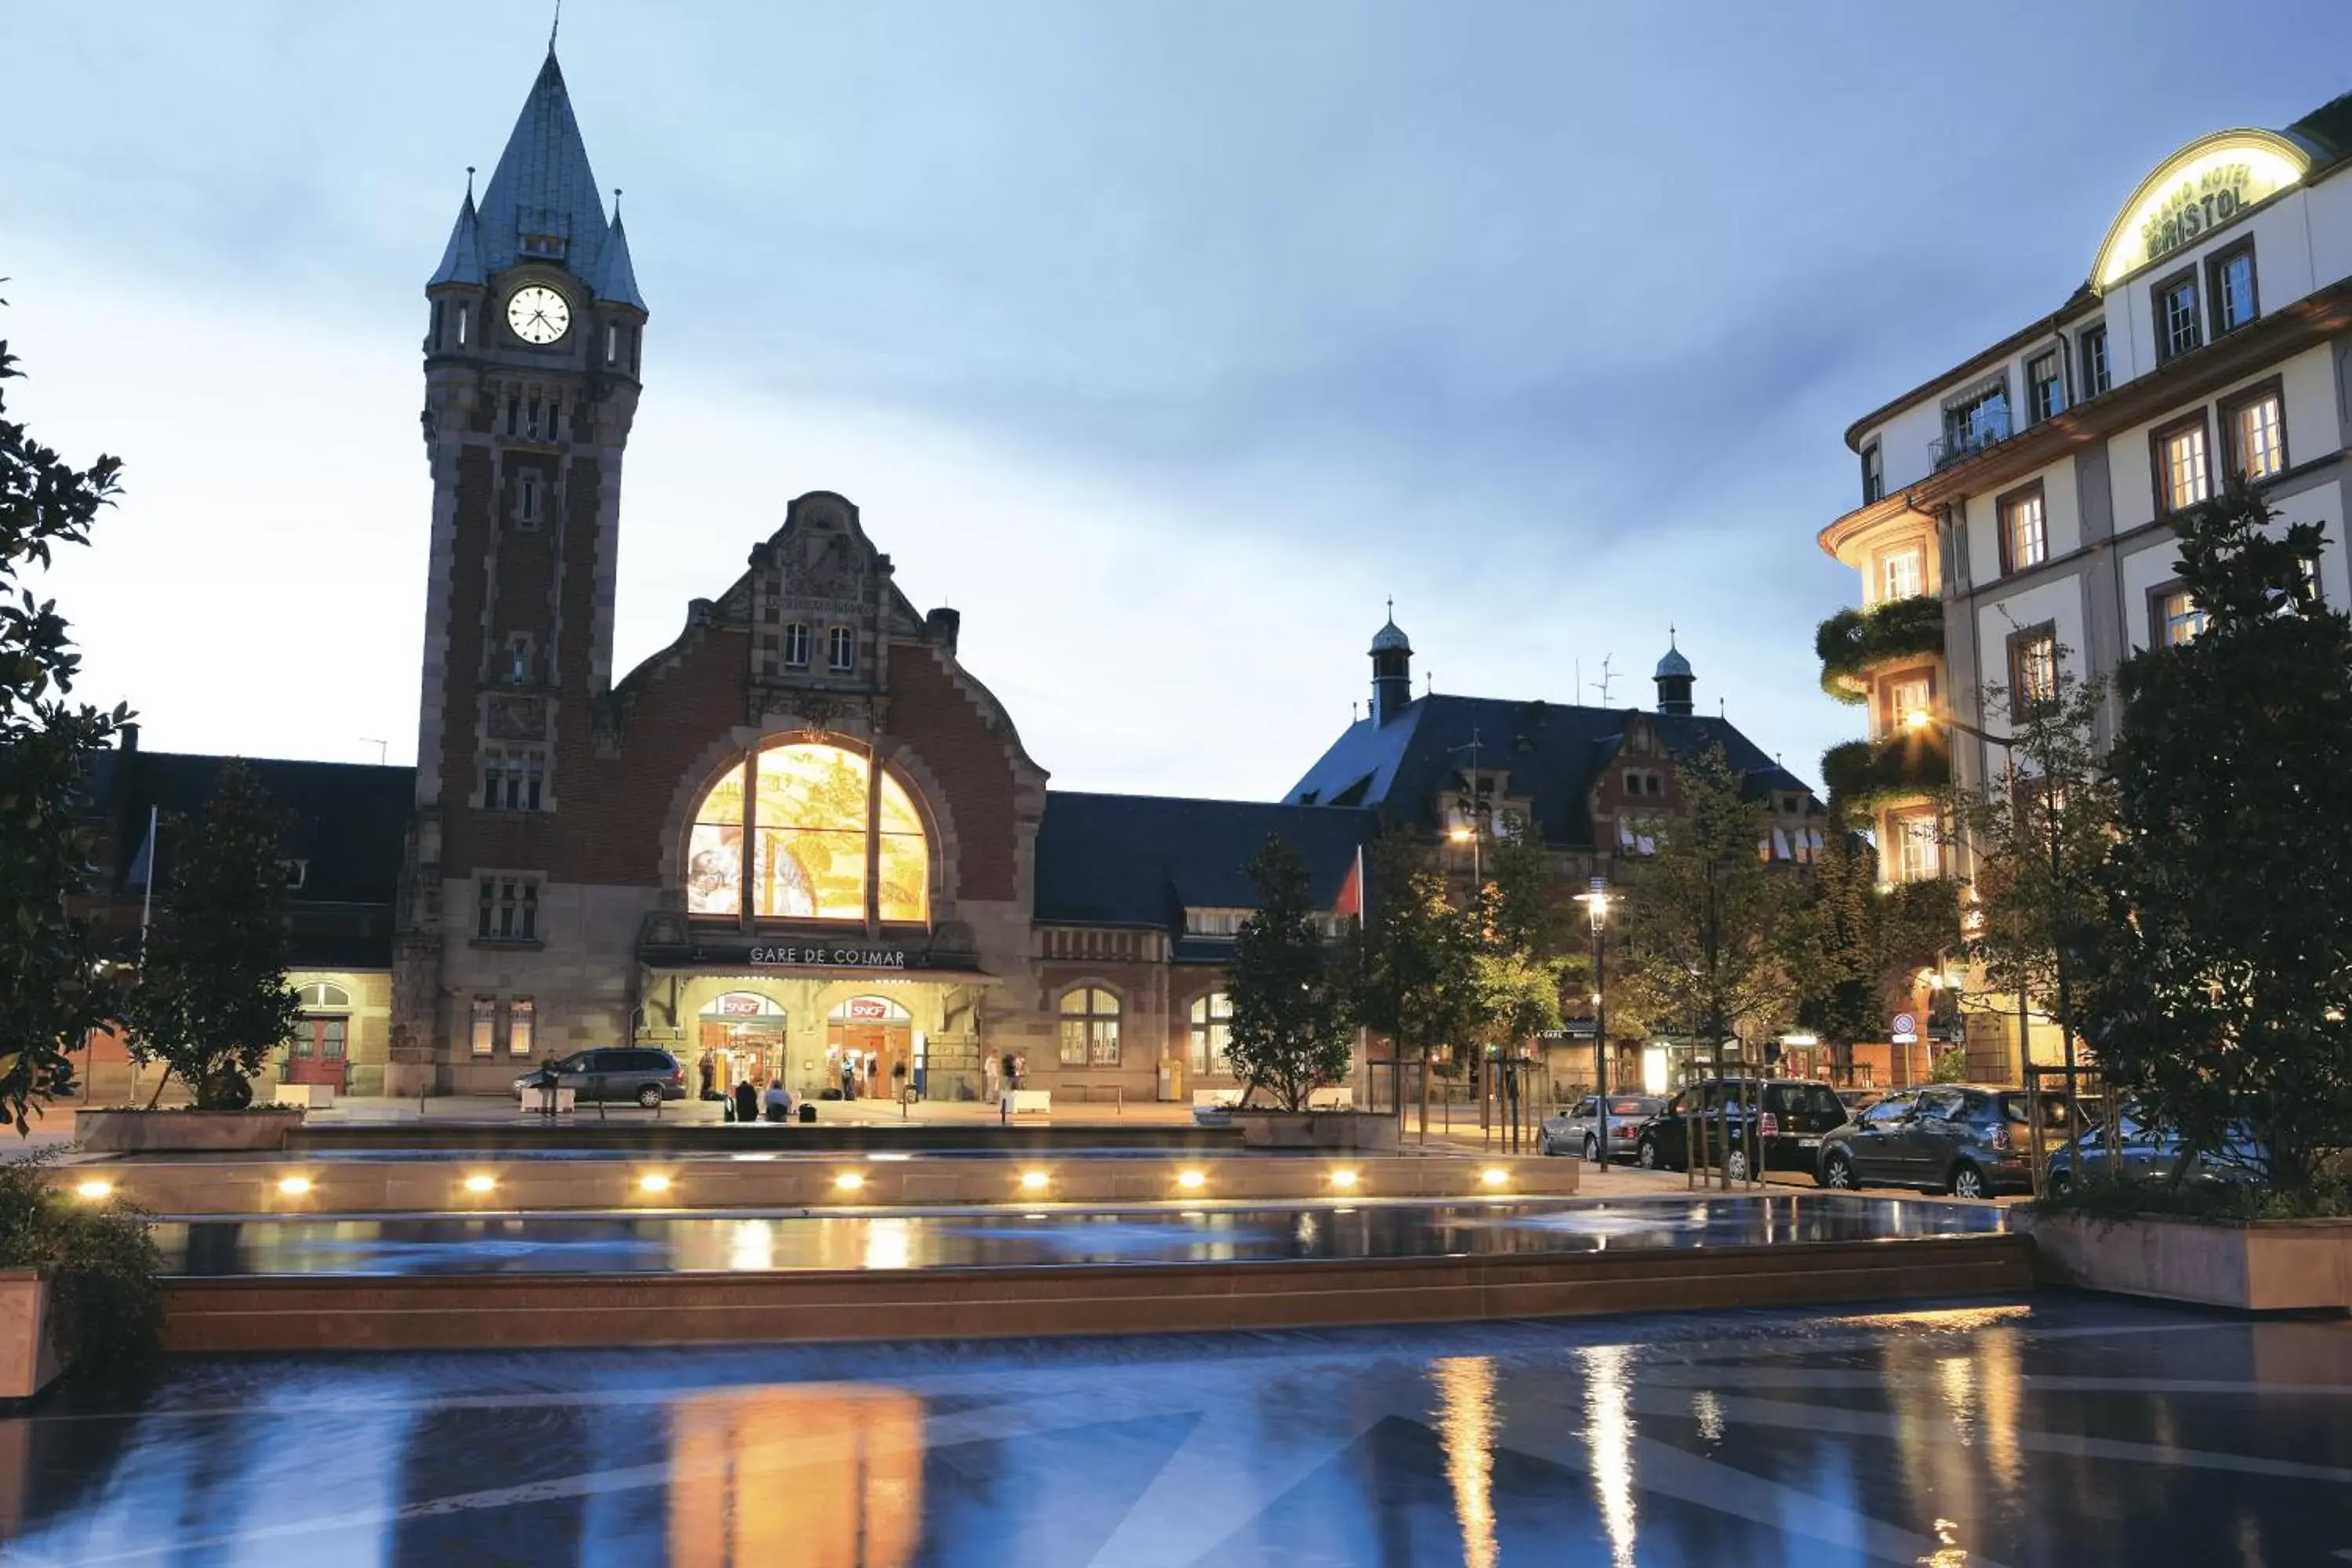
832 957
2197 190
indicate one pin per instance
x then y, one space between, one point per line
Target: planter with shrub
79 1283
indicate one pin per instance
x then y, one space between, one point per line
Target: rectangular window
2179 327
1918 848
508 910
1910 694
2095 360
1976 420
522 1021
514 412
841 650
2253 423
612 343
2178 619
2032 671
436 324
2024 530
2183 477
530 419
1873 474
796 646
485 1025
2232 288
464 323
527 499
1902 573
2046 386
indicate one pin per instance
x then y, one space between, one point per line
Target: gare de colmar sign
830 957
2197 190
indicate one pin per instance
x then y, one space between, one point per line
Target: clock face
537 314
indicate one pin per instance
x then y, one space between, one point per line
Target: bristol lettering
2196 207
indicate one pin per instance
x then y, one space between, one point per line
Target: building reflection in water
1609 1432
1466 1423
824 1476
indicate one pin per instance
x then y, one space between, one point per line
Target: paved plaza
2058 1431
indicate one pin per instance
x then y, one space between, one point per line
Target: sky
1166 340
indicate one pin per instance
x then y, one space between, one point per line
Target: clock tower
533 345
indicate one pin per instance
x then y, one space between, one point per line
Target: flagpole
147 894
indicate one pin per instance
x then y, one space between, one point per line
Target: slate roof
1142 860
461 260
350 823
1551 753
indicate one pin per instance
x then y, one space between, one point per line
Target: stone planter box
29 1361
2274 1266
1314 1130
127 1131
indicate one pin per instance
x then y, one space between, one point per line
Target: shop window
2253 423
2183 476
485 1025
1089 1031
1212 1033
806 823
507 909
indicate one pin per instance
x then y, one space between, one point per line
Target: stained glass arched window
793 845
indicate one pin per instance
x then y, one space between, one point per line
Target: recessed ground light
1494 1176
1033 1181
849 1181
294 1186
481 1182
1343 1178
653 1182
94 1190
1191 1181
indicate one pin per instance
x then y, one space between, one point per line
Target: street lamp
1596 905
1468 835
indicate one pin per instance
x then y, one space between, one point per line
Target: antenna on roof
1351 711
551 27
1429 683
1605 681
383 749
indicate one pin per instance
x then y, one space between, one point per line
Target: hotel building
2013 514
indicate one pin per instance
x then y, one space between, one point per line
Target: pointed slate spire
616 278
461 260
542 203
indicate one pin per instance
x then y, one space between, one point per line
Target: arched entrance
320 1049
869 1047
740 1035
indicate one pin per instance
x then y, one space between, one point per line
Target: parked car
1786 1117
1577 1130
616 1072
2150 1152
1969 1140
1857 1100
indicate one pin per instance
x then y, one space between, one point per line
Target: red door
318 1053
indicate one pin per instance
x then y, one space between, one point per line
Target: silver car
1577 1130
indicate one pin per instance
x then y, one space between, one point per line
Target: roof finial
469 182
616 204
553 26
1670 633
1392 607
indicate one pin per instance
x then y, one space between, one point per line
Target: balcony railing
1964 437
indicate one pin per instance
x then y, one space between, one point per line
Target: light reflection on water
822 1475
1609 1431
1465 1425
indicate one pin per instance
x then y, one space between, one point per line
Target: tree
212 1000
2219 979
51 961
1417 978
1854 944
1291 1017
1703 915
2038 832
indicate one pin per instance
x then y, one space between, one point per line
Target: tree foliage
51 973
2219 978
1417 956
212 1000
1292 1018
1854 943
1704 915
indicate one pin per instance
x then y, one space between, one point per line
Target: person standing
992 1080
709 1075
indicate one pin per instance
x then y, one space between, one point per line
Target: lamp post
1920 718
1596 905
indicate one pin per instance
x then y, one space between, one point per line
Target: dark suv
1785 1118
1969 1140
618 1072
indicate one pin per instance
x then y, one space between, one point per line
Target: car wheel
1837 1172
1648 1154
2059 1181
1735 1165
1591 1151
1967 1182
650 1096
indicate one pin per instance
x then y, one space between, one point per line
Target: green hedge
1851 641
1860 771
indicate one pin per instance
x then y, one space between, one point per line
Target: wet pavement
2064 1431
970 1238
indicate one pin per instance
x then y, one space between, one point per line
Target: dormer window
841 650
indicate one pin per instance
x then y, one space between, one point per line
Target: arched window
1212 1028
319 994
806 823
1089 1027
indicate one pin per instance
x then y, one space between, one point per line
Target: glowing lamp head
294 1186
1494 1176
848 1182
1033 1181
653 1182
94 1190
1917 719
1191 1181
481 1181
1462 835
1344 1179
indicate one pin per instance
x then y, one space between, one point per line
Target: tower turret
1673 678
1391 670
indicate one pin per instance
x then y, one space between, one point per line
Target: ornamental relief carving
514 718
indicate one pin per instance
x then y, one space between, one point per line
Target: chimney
129 731
940 625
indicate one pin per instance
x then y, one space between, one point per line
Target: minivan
641 1073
